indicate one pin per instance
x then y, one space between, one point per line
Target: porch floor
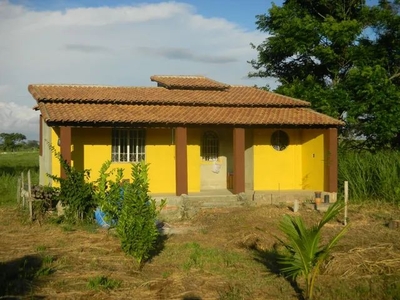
228 192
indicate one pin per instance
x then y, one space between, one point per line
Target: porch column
332 160
238 160
40 135
65 146
181 173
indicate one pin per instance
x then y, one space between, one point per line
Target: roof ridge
243 86
188 82
180 76
236 96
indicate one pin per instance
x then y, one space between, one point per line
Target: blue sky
120 42
242 12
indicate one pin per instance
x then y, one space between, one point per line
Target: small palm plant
305 254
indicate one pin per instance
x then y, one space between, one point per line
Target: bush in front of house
136 225
129 208
76 191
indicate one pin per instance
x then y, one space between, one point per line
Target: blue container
100 216
101 220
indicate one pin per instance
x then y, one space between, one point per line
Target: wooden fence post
23 189
19 191
29 183
30 196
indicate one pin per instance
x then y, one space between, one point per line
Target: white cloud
19 118
113 46
187 54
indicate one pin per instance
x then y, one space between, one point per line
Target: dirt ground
219 254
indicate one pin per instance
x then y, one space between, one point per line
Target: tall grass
371 176
11 166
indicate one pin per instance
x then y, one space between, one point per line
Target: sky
120 42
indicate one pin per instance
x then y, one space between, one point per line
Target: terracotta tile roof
234 96
186 101
174 114
188 82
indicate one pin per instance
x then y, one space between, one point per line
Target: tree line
343 56
11 142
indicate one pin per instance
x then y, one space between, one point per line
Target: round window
279 140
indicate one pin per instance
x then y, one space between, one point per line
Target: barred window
128 145
279 140
210 146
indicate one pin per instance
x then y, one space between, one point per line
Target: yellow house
197 134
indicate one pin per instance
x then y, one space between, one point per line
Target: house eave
89 124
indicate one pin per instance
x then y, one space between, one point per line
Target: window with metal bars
279 140
210 146
128 145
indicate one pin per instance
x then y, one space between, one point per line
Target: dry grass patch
221 254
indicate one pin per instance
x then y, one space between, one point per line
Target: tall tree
10 141
342 56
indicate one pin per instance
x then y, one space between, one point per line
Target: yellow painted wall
277 170
91 147
249 160
160 154
194 159
313 159
327 162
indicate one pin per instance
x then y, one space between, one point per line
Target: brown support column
181 172
333 160
65 145
238 160
40 135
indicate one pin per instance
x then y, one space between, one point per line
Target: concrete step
215 202
221 204
221 198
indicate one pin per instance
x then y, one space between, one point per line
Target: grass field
11 166
224 253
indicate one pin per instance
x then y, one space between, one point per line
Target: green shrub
76 193
136 226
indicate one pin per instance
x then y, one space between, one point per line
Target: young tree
136 226
342 56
